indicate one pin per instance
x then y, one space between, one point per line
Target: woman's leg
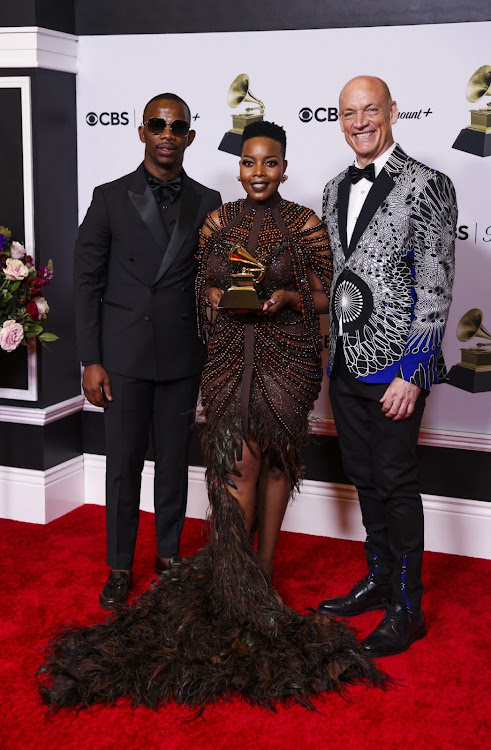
244 486
273 495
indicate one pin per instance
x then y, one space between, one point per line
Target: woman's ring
273 301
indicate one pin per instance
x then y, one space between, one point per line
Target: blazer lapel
185 222
378 192
143 200
343 198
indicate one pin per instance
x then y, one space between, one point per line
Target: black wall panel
40 448
13 365
56 219
154 17
49 14
162 17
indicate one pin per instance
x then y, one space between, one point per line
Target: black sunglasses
157 125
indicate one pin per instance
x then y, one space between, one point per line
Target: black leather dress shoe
161 567
364 596
398 629
116 590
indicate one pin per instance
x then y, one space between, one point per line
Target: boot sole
351 613
380 654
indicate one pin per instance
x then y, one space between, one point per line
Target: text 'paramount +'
331 114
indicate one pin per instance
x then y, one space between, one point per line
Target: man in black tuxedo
137 334
391 223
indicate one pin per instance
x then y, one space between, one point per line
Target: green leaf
48 337
32 329
15 286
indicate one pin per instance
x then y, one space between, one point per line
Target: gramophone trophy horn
238 93
476 137
240 254
473 373
479 84
241 296
470 325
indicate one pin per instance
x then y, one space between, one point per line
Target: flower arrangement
23 309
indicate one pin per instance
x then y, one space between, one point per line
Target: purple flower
3 241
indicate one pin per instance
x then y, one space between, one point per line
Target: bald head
367 82
366 115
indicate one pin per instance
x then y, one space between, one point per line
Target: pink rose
42 305
15 270
11 334
17 250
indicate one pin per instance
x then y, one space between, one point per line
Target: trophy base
473 142
240 300
231 143
469 380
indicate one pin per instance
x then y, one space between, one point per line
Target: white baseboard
452 525
41 496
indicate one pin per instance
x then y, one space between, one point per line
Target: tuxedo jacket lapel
343 198
185 222
379 191
143 200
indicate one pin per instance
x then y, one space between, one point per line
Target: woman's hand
279 299
213 296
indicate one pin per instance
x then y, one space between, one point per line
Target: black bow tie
165 190
356 174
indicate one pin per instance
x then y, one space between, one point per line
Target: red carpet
52 574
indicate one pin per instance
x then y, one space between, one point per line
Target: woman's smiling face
261 167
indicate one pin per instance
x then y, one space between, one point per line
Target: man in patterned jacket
391 222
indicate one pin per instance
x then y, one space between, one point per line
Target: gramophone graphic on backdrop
238 93
473 373
476 137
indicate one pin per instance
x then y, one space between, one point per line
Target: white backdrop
427 69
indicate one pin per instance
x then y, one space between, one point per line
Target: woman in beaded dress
213 625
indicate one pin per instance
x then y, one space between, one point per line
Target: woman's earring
284 178
238 178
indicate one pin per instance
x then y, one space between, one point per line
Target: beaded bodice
259 365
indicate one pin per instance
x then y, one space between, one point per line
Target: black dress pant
379 458
167 408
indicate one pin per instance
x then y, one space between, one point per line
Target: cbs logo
321 114
107 118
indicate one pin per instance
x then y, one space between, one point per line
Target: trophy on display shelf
476 137
242 296
239 92
473 373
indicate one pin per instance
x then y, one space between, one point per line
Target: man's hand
399 399
95 382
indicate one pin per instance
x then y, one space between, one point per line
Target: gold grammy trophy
476 137
241 296
473 373
238 93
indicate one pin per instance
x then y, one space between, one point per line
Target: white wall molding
453 525
41 417
471 441
35 47
41 496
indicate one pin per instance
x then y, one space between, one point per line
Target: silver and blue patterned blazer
392 284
